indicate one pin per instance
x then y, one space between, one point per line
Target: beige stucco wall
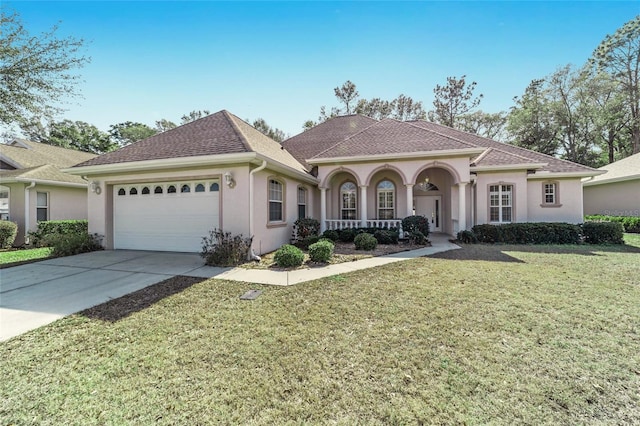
569 208
520 196
234 215
614 199
65 203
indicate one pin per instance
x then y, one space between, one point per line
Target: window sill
276 224
550 205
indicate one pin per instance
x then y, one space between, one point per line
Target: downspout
27 213
252 254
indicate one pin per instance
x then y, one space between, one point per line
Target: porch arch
439 165
386 167
326 181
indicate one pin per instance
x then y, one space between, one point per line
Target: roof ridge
239 132
481 156
347 138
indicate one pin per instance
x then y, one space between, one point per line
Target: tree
129 132
163 125
80 136
405 108
619 56
485 124
348 95
453 100
193 116
36 72
261 125
309 124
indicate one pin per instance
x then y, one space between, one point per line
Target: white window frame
44 207
500 191
554 193
350 190
275 197
302 201
386 199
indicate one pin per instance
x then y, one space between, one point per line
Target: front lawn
19 256
485 334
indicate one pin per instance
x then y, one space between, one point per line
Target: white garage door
165 216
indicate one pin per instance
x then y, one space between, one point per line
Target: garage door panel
164 222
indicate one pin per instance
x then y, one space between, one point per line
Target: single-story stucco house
33 188
166 192
617 192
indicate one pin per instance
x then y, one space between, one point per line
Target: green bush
306 227
467 237
8 233
221 249
631 224
331 234
347 235
384 236
322 251
304 244
603 232
365 241
71 244
289 256
416 223
57 227
417 237
529 233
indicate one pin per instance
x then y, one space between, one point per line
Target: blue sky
281 60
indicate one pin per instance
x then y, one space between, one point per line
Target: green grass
485 334
15 256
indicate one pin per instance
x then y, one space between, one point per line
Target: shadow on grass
117 309
497 252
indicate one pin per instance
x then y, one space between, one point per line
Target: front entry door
431 207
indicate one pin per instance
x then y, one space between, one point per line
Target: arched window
199 187
185 188
215 187
276 201
133 191
171 189
348 201
158 190
386 199
145 190
121 191
302 202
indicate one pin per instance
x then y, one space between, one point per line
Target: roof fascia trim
464 152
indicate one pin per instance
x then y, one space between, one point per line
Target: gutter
464 152
27 213
52 182
251 255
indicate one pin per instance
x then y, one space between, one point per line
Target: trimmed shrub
603 232
630 224
322 251
289 256
306 227
467 237
365 241
347 235
304 244
57 227
330 234
417 237
416 223
221 249
71 244
529 233
386 237
8 233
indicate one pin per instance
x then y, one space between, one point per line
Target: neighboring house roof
23 154
622 170
215 134
311 142
46 174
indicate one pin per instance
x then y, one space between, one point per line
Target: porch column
363 206
409 200
323 209
462 206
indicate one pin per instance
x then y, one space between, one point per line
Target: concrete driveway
39 293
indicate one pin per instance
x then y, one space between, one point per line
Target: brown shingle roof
46 173
391 136
27 154
554 165
310 143
626 169
215 134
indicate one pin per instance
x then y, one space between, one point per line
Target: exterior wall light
228 179
95 187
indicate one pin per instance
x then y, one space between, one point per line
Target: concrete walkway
37 294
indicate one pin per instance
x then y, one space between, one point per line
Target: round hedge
321 251
289 256
365 242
